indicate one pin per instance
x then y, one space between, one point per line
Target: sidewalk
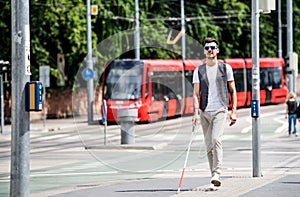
278 178
51 125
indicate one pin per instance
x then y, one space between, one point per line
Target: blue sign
104 112
255 108
87 74
33 96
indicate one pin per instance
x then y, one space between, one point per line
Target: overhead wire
217 14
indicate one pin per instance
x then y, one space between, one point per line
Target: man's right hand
196 119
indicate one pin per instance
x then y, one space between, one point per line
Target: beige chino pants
213 124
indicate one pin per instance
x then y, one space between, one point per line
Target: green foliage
268 46
5 32
59 26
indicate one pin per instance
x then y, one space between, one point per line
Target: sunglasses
210 47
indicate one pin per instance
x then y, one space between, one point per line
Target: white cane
186 158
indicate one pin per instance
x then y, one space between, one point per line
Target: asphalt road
70 158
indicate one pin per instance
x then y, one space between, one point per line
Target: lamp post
89 62
20 125
255 103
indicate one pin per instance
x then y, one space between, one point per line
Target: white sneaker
216 180
212 187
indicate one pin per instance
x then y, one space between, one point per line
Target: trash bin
127 118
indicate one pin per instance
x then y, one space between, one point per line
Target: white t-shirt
213 102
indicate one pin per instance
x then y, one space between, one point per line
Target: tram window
249 79
167 85
188 83
276 78
239 79
147 87
158 91
264 79
270 77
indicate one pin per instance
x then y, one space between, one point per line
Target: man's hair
209 40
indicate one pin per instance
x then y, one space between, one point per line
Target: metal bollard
127 118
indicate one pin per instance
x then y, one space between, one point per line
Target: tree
60 27
5 38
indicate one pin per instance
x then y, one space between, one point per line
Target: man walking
212 82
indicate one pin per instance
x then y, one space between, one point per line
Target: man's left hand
232 119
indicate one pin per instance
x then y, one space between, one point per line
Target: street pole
279 30
1 105
289 17
255 103
44 110
183 30
89 61
183 52
20 126
289 38
137 31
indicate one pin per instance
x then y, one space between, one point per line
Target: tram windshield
123 81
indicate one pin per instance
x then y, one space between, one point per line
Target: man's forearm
234 102
196 104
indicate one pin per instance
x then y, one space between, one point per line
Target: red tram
163 88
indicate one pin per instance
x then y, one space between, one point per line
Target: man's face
211 50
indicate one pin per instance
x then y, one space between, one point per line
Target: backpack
292 107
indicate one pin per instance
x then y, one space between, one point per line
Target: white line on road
72 174
282 127
277 119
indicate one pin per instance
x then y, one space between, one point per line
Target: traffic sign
104 112
87 74
94 10
44 73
